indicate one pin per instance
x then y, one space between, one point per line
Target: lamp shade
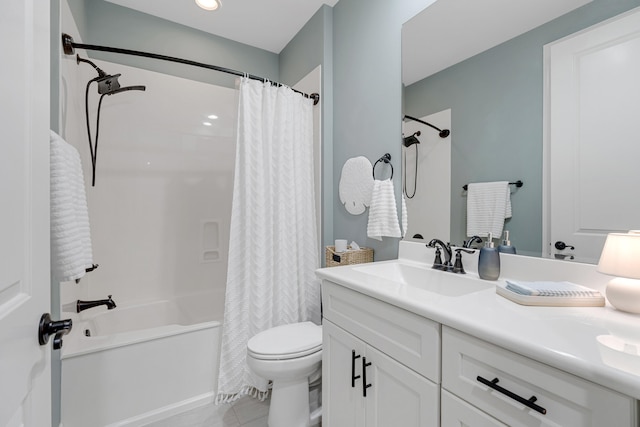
621 255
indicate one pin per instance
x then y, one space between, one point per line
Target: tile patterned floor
246 412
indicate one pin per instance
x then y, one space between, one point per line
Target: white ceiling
266 24
449 31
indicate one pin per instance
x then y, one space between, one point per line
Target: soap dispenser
489 261
506 247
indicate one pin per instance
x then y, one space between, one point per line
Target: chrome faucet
83 305
446 249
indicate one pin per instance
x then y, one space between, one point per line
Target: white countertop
599 344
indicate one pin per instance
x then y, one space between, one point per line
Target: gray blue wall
367 100
496 99
313 46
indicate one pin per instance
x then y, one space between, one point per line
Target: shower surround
160 215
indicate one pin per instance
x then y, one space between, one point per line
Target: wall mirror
490 77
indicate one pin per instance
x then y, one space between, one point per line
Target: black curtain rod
69 45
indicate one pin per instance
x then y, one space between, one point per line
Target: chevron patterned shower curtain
273 248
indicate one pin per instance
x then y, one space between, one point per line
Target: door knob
560 245
47 327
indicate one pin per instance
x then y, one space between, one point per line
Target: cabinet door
342 402
398 396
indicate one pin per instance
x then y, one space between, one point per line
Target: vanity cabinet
516 390
416 372
370 350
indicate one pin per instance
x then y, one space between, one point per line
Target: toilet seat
286 342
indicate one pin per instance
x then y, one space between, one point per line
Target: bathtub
140 363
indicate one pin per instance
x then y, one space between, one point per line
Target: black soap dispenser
506 247
489 261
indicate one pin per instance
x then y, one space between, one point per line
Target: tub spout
83 305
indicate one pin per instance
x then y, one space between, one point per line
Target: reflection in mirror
495 98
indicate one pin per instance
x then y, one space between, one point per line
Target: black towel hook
386 159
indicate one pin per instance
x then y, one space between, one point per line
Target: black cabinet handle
353 368
526 402
365 386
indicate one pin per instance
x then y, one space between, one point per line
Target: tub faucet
83 305
446 249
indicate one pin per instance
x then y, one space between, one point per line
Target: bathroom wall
497 117
310 48
367 99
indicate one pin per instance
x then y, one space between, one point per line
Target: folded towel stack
383 213
551 289
488 205
71 252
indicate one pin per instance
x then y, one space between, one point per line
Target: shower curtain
273 240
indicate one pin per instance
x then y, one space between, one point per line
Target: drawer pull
526 402
365 386
353 368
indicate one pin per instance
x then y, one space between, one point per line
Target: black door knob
47 327
560 245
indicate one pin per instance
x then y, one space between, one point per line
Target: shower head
126 88
408 141
108 84
444 133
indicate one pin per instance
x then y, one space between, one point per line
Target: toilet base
289 404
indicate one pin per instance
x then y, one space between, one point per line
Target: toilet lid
286 341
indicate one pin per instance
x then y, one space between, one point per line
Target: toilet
288 355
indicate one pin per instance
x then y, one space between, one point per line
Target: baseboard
166 411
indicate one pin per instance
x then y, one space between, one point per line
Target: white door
398 396
592 146
343 404
25 379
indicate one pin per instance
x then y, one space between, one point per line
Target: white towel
383 213
488 205
405 217
356 183
71 252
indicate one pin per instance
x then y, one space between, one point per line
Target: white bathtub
141 363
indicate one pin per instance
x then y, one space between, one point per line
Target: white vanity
406 345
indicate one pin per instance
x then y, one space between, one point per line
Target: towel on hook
383 213
488 205
71 252
356 183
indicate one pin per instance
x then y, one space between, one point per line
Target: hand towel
488 205
71 252
383 213
405 217
356 184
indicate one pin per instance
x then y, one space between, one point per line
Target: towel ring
386 159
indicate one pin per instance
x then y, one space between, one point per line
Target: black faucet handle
457 266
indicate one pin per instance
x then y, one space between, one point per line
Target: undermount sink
439 282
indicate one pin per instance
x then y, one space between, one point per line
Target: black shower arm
443 132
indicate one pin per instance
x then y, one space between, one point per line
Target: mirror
490 75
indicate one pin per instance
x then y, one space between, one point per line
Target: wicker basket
334 259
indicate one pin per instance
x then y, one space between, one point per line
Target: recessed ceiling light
206 123
212 116
209 4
